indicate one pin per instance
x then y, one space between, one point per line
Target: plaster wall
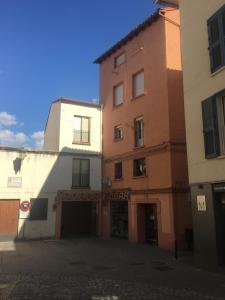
199 84
43 174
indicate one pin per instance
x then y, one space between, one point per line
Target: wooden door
9 210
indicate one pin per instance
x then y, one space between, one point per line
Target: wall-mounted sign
117 196
14 182
25 209
219 187
201 203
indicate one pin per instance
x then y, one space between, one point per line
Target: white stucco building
70 161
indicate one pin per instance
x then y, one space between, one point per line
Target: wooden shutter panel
210 127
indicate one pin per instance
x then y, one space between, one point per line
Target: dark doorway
119 219
147 223
78 219
220 226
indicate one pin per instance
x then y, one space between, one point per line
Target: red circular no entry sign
25 205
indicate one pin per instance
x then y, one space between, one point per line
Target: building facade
203 54
144 150
47 193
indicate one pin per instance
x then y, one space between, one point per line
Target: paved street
99 269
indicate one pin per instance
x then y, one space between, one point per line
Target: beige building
203 58
31 179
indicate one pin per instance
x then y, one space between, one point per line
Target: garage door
119 219
9 210
78 218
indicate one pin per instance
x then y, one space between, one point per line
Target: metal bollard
175 250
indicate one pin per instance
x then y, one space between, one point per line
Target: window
81 134
216 34
119 60
139 167
118 170
138 84
213 114
39 209
138 132
118 132
118 94
81 173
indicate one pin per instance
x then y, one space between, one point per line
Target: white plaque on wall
14 182
201 203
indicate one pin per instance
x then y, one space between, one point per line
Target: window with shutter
210 127
216 34
119 60
138 84
118 94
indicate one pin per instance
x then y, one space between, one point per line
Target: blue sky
47 51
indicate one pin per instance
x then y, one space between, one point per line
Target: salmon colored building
145 178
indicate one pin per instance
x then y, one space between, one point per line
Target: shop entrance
147 223
78 219
119 219
220 225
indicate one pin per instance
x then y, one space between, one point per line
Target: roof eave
128 37
171 3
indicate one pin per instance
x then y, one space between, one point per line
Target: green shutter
210 127
216 36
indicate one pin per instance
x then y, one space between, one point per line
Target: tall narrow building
146 198
203 55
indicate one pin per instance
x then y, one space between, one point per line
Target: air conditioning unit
106 182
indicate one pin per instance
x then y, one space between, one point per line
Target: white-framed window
138 84
81 133
118 94
119 60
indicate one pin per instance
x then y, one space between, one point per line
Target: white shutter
118 94
138 84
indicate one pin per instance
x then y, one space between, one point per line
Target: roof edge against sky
129 36
173 3
70 101
76 102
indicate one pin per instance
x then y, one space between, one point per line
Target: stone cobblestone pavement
92 269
